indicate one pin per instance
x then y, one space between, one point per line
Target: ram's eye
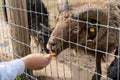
76 30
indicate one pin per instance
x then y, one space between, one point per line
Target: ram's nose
51 45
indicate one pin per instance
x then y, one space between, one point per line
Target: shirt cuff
18 66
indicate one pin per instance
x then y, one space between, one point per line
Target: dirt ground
67 66
70 66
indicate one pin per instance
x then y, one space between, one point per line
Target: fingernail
47 55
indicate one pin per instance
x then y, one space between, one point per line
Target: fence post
17 18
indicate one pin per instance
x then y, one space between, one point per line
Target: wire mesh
82 34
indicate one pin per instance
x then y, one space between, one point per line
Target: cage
83 33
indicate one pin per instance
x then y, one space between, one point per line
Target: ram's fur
74 24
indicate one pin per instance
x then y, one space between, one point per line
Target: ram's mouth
57 51
54 49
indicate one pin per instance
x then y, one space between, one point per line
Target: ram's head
84 26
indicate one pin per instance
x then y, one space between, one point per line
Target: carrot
53 54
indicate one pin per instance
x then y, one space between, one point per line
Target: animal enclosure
83 33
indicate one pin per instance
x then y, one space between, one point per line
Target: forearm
36 61
9 70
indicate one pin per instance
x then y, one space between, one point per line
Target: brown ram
89 25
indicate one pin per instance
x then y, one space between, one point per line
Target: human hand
36 61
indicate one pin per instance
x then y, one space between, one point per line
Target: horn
63 5
92 12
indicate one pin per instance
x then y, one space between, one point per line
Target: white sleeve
9 70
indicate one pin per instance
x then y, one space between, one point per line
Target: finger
48 57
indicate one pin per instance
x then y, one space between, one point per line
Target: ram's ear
63 5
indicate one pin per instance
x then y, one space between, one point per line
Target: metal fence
81 27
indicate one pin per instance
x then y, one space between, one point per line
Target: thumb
48 57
